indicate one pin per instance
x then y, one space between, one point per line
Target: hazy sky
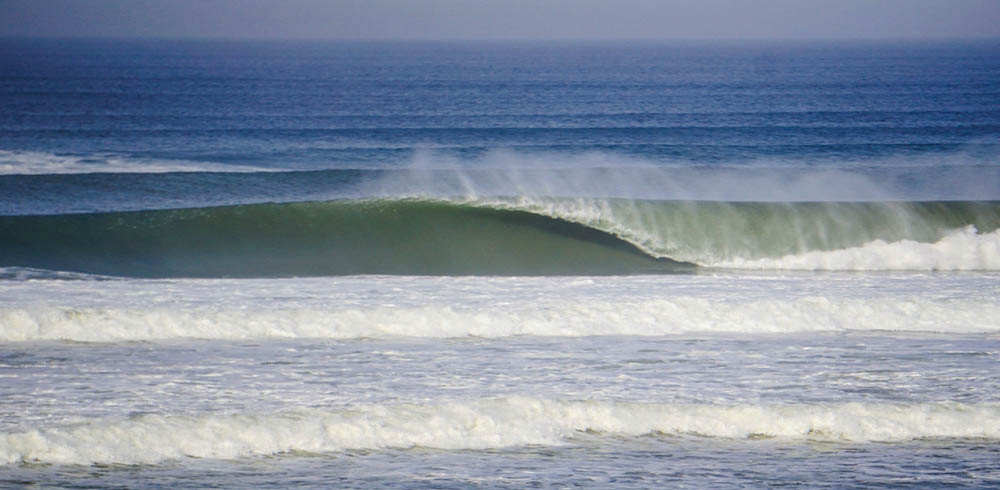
502 19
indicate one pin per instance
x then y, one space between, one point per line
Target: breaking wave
543 317
481 424
507 236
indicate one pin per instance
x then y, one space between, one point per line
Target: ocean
499 264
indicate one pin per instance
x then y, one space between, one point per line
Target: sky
503 19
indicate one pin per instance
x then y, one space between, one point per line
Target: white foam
480 424
437 307
40 163
961 250
569 318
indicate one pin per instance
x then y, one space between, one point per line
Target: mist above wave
429 172
506 172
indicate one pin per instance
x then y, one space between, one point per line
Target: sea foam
479 424
568 318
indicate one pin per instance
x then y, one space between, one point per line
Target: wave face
507 236
327 238
484 424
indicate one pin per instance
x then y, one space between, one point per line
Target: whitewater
487 424
359 307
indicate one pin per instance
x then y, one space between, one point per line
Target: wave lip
481 424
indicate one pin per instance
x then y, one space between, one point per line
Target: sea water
361 264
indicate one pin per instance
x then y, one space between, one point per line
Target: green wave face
327 238
485 237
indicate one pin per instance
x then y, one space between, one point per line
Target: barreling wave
409 236
933 235
481 424
507 236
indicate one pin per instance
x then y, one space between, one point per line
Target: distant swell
507 236
41 163
483 424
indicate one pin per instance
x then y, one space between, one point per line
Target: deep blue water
320 105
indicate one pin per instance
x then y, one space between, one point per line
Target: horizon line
499 39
